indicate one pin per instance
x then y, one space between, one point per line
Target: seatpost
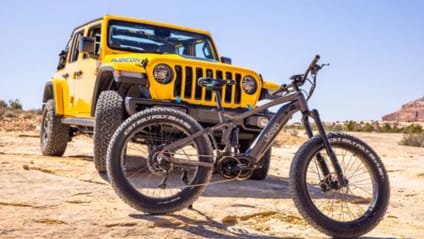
219 107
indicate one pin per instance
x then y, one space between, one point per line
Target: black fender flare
107 80
48 92
55 89
104 81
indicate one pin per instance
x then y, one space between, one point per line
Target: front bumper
204 115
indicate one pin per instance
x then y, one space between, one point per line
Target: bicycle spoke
345 204
153 176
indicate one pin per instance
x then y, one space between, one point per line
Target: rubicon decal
126 59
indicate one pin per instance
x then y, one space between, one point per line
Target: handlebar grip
314 61
310 68
230 82
203 81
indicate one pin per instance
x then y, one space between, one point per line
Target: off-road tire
124 188
54 135
108 116
377 207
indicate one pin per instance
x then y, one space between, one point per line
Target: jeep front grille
187 89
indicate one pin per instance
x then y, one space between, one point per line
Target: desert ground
64 197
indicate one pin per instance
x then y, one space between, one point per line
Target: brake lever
284 88
316 68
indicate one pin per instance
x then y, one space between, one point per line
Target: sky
375 48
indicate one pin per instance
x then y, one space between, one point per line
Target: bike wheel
146 179
342 212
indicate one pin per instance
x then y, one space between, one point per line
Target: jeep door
68 73
80 73
86 71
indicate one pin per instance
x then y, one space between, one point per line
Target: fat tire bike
160 160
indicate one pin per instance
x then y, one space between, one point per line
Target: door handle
77 74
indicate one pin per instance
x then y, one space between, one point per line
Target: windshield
136 37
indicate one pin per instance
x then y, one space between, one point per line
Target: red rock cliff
411 111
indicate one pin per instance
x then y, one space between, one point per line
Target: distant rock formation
411 111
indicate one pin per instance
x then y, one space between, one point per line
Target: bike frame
295 102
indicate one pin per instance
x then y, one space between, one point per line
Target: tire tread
58 135
108 116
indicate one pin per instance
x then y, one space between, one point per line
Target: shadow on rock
271 188
206 227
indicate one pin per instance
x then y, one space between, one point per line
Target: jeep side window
74 50
95 32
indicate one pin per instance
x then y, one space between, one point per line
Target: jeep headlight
163 73
249 85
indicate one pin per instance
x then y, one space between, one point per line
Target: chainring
230 167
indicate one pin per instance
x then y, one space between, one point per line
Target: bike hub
159 163
330 182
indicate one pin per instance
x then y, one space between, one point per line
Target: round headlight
249 85
163 74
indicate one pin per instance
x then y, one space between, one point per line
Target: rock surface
64 197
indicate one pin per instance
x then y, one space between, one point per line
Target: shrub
3 104
367 127
387 128
414 139
413 129
12 104
15 104
350 125
334 127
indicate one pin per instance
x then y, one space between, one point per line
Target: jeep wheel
54 135
262 172
108 116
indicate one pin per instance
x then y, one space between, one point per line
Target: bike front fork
330 152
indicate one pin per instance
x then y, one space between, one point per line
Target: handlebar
299 80
214 84
312 67
314 61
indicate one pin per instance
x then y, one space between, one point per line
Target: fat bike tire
138 175
346 212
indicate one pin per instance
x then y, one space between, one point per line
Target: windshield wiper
131 48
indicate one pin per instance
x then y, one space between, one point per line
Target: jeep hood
186 71
147 60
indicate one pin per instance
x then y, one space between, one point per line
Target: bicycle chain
209 183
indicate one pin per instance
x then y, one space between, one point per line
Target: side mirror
226 60
62 59
87 45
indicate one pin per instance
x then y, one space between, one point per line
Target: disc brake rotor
159 163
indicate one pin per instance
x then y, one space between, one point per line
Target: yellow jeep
115 66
